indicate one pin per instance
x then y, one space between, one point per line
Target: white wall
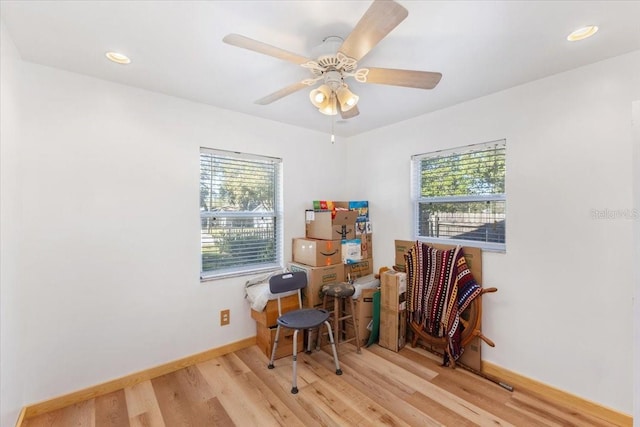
563 313
10 293
107 263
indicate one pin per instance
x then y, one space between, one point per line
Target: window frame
418 200
276 214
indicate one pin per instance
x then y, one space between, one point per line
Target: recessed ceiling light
118 57
582 33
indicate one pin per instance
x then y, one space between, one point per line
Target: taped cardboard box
317 253
358 269
316 278
324 225
269 316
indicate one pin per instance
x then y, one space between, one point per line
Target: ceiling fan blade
266 49
378 21
351 113
407 78
281 93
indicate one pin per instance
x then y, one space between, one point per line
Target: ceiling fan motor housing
333 79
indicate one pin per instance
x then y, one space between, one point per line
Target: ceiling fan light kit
337 60
347 99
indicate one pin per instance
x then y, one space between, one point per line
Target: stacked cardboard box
329 253
266 324
316 278
357 246
393 310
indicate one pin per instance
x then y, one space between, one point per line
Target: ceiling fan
339 61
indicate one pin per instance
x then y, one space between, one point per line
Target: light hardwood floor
378 388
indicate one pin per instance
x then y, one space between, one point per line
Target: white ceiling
176 48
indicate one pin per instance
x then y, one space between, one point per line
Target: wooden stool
341 292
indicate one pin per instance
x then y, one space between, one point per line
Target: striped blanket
439 288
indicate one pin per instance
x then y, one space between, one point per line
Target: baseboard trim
597 410
21 417
31 411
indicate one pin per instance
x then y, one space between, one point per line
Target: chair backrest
286 282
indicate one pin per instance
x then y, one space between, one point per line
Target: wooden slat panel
78 415
243 409
279 386
143 406
111 410
185 398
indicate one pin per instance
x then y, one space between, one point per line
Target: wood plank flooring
378 388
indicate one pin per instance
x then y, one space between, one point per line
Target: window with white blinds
459 196
240 213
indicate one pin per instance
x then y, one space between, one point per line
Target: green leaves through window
240 213
459 196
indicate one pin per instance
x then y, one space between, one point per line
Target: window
459 196
240 213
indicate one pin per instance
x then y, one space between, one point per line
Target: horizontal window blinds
240 205
460 195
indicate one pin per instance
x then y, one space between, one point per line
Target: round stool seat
339 290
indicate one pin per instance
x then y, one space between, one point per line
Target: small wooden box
266 336
269 316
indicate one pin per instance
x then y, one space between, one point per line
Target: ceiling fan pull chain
333 136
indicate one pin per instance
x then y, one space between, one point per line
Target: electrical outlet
225 317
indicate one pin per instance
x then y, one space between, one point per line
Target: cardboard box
324 225
323 205
351 251
360 206
393 329
316 278
473 256
402 246
366 245
265 338
317 253
269 316
471 356
363 228
393 290
359 269
364 313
